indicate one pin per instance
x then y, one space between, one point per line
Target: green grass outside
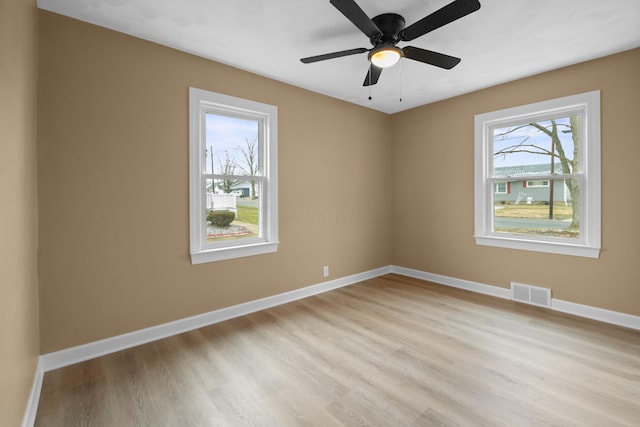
248 214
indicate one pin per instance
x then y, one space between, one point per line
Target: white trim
34 396
480 288
69 356
230 252
539 246
595 313
586 311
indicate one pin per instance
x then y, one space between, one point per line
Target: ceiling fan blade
352 11
440 17
372 76
332 55
430 57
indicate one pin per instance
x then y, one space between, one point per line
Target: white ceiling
503 41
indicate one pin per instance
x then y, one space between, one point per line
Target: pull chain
400 80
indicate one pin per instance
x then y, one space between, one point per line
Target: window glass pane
528 149
233 209
231 146
538 206
524 213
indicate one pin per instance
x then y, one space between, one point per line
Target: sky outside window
529 144
226 137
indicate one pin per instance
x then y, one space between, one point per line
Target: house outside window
233 177
542 162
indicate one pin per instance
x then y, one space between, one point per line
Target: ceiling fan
387 30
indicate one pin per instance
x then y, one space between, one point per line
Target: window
548 155
501 187
538 183
233 177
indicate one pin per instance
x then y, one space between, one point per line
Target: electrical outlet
325 271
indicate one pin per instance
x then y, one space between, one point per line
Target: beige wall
432 188
18 208
112 173
113 186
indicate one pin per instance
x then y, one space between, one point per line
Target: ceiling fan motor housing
390 24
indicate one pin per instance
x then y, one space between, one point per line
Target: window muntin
233 160
549 153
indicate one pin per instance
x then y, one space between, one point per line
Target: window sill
539 246
221 254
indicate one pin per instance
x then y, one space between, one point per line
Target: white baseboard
34 396
586 311
595 313
69 356
480 288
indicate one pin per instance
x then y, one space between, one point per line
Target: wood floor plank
391 351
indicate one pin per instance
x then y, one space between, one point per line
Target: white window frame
202 102
590 218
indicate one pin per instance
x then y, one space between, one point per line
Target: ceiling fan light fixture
385 57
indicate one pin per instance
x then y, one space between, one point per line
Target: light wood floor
391 351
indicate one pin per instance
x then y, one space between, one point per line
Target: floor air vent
531 294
